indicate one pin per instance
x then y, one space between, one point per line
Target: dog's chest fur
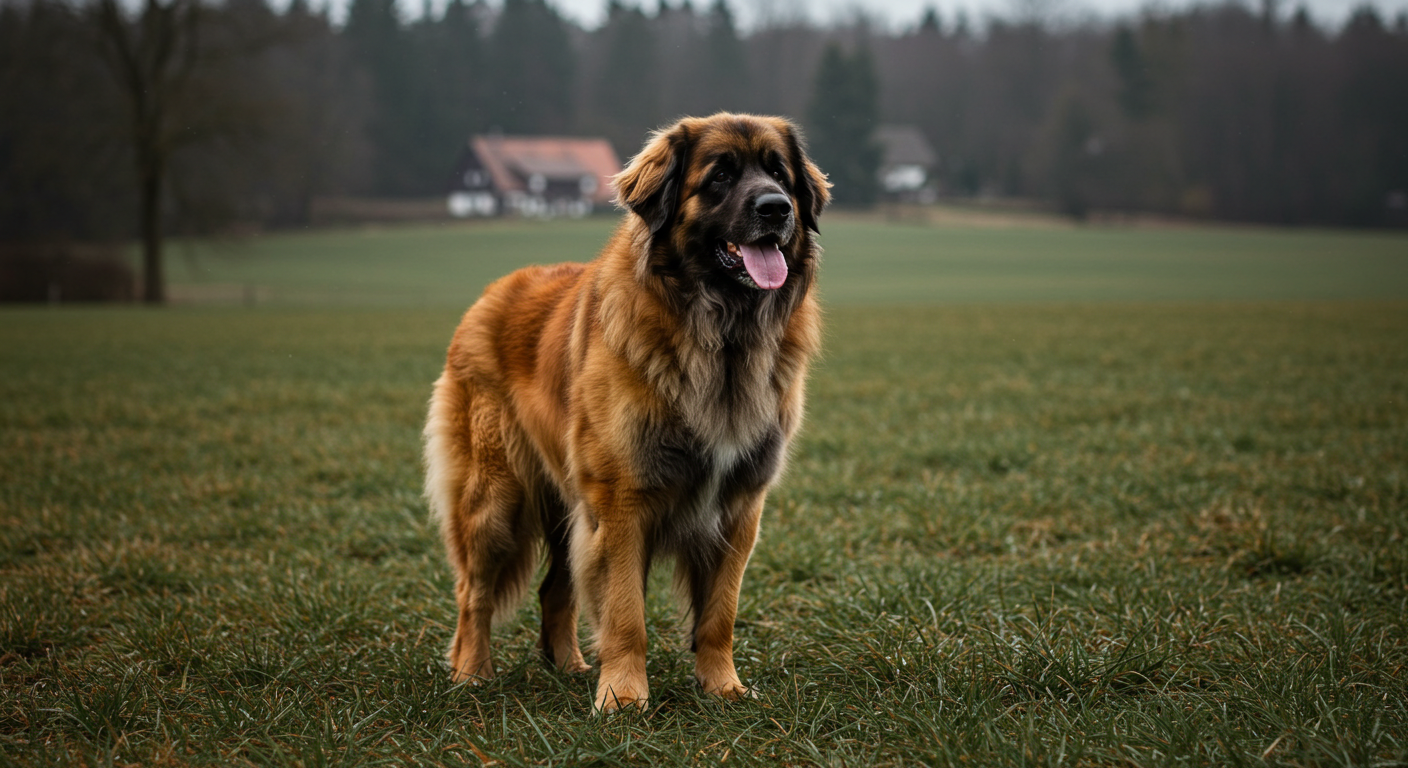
719 425
723 441
696 483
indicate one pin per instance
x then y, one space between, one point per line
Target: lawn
1166 529
867 261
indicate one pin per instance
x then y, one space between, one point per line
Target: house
532 176
905 165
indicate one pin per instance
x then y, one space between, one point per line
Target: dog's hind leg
491 564
479 502
559 602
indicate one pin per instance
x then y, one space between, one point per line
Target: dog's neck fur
730 364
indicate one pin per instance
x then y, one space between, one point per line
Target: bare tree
180 80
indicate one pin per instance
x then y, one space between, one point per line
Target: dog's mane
731 350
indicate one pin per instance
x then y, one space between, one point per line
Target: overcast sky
901 14
897 14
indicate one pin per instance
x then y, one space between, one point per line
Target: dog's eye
721 177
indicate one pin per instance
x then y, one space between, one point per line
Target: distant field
1082 500
866 261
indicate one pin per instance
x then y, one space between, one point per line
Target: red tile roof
512 159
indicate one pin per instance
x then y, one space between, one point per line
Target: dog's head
730 201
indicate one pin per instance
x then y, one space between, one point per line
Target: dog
635 406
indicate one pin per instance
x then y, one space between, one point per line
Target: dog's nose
774 207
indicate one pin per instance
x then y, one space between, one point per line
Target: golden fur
634 406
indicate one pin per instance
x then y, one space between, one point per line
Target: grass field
867 261
1161 530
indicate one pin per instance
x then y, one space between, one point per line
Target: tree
626 94
142 122
445 96
1074 148
459 71
1135 89
383 48
531 69
320 145
181 81
428 82
929 23
64 171
841 124
1373 102
725 77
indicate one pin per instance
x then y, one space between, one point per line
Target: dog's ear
813 189
650 184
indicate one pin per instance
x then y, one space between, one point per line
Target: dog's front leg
608 564
716 604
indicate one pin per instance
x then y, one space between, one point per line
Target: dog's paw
467 679
731 691
575 667
471 673
611 699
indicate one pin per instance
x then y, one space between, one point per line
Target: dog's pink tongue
765 265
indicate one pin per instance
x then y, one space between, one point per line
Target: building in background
533 176
906 164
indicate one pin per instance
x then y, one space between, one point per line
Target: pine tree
929 23
627 92
531 67
1135 89
725 79
450 85
841 124
461 67
380 45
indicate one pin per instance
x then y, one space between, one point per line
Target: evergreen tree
380 45
627 93
725 77
1075 149
1135 89
426 81
320 146
1373 164
929 24
841 124
450 85
461 68
679 37
531 67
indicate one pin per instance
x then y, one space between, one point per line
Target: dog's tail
444 462
493 538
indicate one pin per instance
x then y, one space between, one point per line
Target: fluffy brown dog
635 406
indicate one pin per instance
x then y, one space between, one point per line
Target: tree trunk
154 282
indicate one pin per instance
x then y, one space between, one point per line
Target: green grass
1103 533
866 262
440 265
884 263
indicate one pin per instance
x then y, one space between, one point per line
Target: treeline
1213 112
187 115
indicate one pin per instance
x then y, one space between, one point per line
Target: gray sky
901 13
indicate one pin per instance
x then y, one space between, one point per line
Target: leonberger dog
635 406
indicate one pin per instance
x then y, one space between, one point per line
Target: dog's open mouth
757 265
